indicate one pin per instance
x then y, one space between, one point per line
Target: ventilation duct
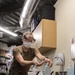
27 8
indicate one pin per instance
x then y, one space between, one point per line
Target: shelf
4 57
4 49
2 72
1 63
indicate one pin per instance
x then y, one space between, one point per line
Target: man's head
27 39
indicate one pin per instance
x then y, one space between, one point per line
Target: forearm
42 57
24 62
39 55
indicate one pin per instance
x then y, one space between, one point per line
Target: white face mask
27 44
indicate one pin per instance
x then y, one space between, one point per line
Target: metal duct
27 8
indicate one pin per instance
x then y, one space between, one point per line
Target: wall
65 17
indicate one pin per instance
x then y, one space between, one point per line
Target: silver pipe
28 5
29 18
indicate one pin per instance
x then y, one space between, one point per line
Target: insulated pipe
28 6
29 19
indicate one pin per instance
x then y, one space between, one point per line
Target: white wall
65 17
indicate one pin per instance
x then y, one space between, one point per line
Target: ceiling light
9 32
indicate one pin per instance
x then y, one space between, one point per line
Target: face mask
27 44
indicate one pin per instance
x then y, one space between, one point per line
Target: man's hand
37 63
50 63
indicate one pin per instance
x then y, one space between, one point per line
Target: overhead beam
12 19
17 13
5 19
6 23
14 16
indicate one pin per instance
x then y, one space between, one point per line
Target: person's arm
17 55
39 55
43 58
23 62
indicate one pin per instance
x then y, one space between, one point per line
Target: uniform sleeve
16 51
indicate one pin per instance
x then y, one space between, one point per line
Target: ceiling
10 11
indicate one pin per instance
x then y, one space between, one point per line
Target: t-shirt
29 55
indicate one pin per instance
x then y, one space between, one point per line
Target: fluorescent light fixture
9 32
